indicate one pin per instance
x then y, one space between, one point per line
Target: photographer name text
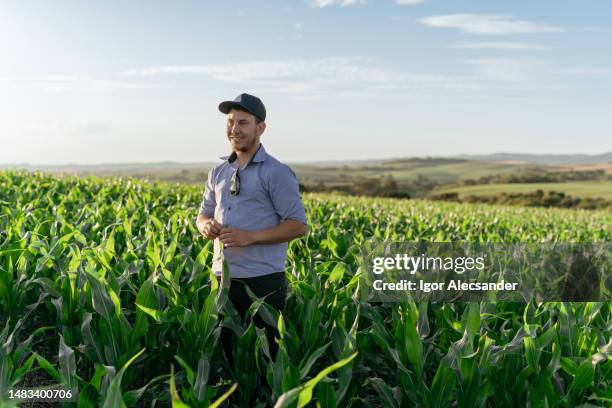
457 285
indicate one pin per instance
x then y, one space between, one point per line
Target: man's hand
210 229
234 237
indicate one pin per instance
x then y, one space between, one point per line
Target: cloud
297 30
343 74
589 71
503 46
597 29
512 70
488 24
365 77
68 128
531 71
67 83
90 128
325 3
408 2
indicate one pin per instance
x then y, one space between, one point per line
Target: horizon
116 82
458 156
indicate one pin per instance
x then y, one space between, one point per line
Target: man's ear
261 126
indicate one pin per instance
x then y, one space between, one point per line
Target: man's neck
243 158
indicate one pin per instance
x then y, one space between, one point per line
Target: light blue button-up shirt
269 193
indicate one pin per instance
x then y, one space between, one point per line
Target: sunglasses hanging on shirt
235 180
235 183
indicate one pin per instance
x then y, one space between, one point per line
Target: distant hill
435 169
412 174
542 159
440 170
105 168
412 162
581 189
164 171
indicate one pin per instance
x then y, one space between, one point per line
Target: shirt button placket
228 200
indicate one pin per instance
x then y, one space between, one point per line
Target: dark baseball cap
250 103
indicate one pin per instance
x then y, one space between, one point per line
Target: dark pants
275 286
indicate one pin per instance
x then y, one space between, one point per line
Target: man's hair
240 108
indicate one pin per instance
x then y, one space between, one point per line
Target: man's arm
201 220
206 223
208 226
283 232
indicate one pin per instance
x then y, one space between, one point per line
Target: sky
140 81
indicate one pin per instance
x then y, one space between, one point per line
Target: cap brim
226 106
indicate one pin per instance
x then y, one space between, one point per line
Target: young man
252 207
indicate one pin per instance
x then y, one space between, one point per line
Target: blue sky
114 81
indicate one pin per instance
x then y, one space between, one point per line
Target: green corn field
105 288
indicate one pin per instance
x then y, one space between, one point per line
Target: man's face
242 130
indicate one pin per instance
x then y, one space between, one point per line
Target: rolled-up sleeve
285 193
209 202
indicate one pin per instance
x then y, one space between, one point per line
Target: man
252 207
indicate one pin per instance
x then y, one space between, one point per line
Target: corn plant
106 287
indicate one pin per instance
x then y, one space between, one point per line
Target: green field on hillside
443 170
581 189
439 170
106 288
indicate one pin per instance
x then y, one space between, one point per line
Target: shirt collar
260 155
